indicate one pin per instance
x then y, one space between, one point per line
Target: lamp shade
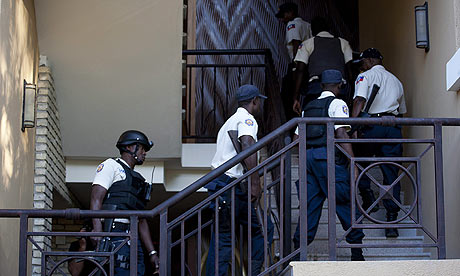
421 27
28 106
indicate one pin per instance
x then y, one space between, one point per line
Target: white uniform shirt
245 123
297 29
307 47
109 172
389 99
337 109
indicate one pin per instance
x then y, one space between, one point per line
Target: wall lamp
28 105
422 34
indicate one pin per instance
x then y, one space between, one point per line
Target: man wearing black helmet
117 186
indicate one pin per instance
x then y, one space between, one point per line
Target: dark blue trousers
390 173
317 193
122 257
241 218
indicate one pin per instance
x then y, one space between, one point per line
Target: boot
392 232
357 254
368 198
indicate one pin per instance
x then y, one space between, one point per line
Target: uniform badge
360 79
300 45
345 109
100 167
290 27
249 122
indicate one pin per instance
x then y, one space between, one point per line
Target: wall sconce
421 27
28 106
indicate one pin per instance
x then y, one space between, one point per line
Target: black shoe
357 254
368 199
391 232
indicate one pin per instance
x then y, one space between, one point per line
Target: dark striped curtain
251 24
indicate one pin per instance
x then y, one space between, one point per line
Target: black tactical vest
316 134
327 54
132 193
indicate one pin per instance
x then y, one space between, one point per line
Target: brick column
49 161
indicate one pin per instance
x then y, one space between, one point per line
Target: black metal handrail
208 102
166 227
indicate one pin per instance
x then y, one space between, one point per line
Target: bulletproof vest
132 193
316 134
327 54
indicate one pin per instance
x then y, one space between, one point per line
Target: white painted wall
117 66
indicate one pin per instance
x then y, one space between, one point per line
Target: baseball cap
286 7
370 53
331 76
247 92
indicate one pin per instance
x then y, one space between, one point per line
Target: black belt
385 114
121 226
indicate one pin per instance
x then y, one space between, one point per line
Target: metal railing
211 79
272 264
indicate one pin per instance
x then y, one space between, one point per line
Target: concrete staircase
318 249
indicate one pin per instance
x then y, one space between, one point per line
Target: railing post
303 190
23 225
331 191
133 240
287 200
164 243
439 183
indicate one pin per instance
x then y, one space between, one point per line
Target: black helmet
131 137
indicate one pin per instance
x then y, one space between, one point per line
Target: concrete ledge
393 268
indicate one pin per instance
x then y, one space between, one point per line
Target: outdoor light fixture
28 106
421 27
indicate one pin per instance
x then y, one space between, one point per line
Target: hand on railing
155 262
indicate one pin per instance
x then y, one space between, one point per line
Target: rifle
365 112
105 244
238 148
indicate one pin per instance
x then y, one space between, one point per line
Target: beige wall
116 66
390 26
18 61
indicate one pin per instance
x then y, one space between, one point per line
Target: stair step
375 257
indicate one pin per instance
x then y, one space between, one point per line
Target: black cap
286 7
247 92
370 53
131 137
331 77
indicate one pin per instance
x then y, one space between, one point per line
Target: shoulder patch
291 26
249 122
300 45
345 109
100 167
359 79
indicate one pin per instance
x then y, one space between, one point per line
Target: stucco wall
117 66
18 61
390 26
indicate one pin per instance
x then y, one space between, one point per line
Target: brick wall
49 161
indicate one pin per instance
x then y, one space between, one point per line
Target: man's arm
295 46
251 162
358 106
341 133
97 197
144 233
301 68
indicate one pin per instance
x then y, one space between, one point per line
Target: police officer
327 105
319 53
297 30
389 101
116 184
250 102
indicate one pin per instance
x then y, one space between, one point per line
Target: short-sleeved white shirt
337 109
297 29
245 124
307 47
389 99
109 172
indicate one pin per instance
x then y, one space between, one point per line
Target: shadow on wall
18 61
